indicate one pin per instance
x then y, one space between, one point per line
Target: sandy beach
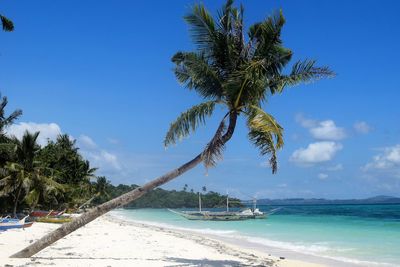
109 241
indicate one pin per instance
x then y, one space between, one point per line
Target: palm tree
7 120
100 190
43 188
228 70
25 177
6 145
21 171
8 25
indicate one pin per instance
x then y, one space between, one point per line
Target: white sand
110 242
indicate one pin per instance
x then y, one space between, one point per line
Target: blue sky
101 72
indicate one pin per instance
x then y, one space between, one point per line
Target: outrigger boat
53 219
222 215
44 213
8 223
50 216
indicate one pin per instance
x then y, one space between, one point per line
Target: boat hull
44 213
14 224
218 216
53 220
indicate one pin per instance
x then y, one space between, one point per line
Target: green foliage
265 133
25 179
238 72
161 198
189 121
8 25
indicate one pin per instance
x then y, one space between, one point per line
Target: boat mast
199 202
254 204
227 203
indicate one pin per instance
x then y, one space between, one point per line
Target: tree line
161 198
57 177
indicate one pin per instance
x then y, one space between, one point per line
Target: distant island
322 201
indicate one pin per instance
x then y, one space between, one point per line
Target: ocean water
368 235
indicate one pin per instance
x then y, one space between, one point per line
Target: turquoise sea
366 235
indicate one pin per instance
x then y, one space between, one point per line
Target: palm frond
224 16
195 72
265 36
32 197
213 151
8 25
7 185
188 121
302 72
12 117
202 26
265 133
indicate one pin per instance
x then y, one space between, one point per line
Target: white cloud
305 122
388 159
85 141
327 130
102 159
110 159
315 153
362 127
322 176
106 161
337 167
47 130
322 130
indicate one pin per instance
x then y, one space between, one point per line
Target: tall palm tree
226 69
20 172
25 178
8 25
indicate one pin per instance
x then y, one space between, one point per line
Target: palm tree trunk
87 202
124 199
16 201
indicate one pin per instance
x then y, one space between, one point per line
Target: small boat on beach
8 223
53 219
50 216
45 213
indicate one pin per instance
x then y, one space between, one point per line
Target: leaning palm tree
229 70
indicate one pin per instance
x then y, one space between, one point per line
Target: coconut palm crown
239 73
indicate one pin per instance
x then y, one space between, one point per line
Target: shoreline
111 241
240 243
260 244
